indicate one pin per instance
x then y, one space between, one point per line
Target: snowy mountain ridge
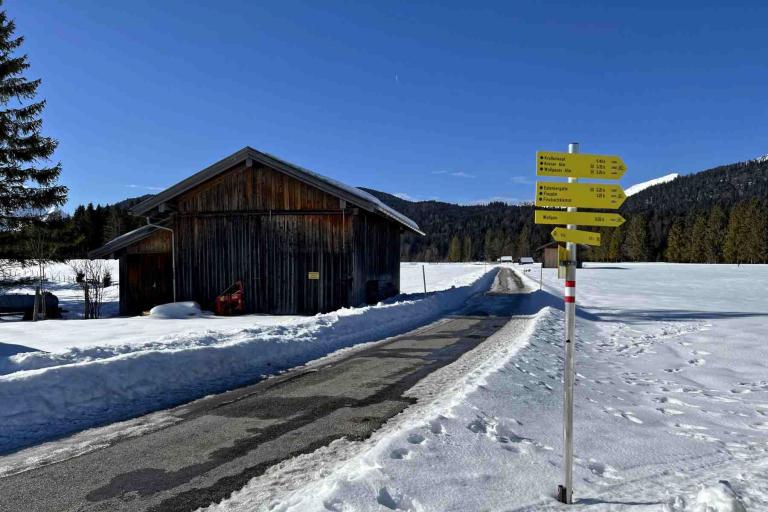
634 189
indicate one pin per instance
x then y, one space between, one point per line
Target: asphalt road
225 440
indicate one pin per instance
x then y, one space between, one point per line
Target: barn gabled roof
122 241
350 194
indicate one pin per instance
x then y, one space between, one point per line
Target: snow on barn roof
350 194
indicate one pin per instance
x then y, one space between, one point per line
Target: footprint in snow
545 385
673 401
629 416
334 505
394 500
603 470
416 439
400 454
478 426
687 426
436 426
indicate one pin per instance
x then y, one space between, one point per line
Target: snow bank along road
77 374
199 453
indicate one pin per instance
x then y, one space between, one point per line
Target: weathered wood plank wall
146 274
376 259
270 231
271 255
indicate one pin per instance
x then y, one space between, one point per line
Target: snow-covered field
59 376
671 410
61 282
438 276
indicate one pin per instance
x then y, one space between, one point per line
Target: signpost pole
572 195
565 492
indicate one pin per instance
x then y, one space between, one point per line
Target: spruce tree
466 249
524 242
715 235
603 251
755 246
735 238
613 246
454 250
636 243
493 244
507 244
28 182
677 241
698 240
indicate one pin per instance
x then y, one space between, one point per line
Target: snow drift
74 391
176 310
718 498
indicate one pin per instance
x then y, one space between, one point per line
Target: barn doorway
149 280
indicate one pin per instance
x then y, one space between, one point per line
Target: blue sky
446 100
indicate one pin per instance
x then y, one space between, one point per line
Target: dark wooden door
150 281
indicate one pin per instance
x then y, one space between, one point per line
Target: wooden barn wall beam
269 213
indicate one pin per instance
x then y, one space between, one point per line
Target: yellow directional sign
580 195
576 236
579 165
579 218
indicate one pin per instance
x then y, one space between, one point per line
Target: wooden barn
300 243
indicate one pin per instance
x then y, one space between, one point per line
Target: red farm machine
231 301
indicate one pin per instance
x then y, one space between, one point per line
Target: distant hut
549 255
299 243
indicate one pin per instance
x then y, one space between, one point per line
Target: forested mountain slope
725 185
717 215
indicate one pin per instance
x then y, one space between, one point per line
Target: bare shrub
92 276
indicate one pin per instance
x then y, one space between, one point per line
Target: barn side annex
299 242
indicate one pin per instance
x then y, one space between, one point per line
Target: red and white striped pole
570 292
565 491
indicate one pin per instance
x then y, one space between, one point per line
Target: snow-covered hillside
671 411
638 187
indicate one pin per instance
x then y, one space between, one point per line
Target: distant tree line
60 236
715 216
467 233
714 235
